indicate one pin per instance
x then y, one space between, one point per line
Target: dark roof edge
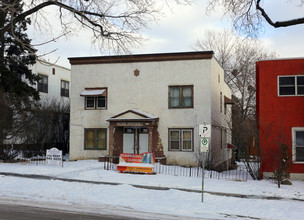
195 55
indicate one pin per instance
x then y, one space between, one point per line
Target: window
98 102
95 98
180 139
64 88
291 85
221 102
43 83
298 144
95 139
180 96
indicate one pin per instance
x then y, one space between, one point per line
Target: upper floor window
64 88
95 98
180 96
180 139
291 85
43 83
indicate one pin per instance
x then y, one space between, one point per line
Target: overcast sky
182 26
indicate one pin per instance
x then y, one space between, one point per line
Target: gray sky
182 26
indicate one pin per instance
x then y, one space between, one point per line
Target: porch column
150 130
111 140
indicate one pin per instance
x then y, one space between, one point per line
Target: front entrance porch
133 132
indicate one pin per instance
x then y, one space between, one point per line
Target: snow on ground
170 202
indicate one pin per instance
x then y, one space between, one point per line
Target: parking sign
205 130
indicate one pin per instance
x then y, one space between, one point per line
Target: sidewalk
46 177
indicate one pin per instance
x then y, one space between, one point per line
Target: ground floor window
180 139
95 139
298 144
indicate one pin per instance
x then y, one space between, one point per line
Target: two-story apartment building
149 102
280 113
54 81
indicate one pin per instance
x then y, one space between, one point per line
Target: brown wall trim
198 55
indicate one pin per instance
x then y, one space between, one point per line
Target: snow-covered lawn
126 198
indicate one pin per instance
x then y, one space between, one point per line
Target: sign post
205 134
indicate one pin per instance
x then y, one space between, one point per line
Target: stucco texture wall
147 92
277 115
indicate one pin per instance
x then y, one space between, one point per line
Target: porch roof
133 115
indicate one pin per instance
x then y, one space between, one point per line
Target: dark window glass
300 138
291 85
101 102
301 90
287 81
43 83
287 91
64 88
300 80
300 83
90 102
299 153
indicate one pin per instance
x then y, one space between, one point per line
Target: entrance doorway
135 140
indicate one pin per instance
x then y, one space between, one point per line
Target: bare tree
113 23
248 15
238 56
48 128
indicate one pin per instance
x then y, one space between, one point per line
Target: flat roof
154 57
287 58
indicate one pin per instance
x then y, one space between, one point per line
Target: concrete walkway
44 177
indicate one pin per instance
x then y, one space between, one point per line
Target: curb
44 177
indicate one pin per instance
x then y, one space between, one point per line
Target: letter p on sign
205 130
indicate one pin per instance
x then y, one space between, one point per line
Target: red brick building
280 112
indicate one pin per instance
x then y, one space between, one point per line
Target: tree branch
35 9
278 24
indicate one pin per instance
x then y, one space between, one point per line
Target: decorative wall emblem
136 72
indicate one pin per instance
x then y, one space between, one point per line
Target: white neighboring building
149 102
55 81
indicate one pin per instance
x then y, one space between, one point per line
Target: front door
128 143
135 140
143 142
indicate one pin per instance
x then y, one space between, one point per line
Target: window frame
41 86
64 92
181 139
95 130
95 107
181 97
294 146
296 86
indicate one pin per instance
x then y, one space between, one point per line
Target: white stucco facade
55 74
142 84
